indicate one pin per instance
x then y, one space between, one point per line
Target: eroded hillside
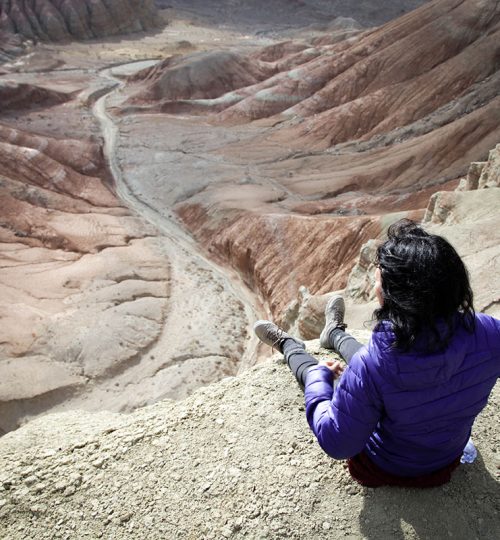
281 158
286 160
61 20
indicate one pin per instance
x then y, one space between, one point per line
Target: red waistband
368 474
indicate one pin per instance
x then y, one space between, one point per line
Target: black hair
425 287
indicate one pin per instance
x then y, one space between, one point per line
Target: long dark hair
425 287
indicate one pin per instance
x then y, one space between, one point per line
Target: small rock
98 463
39 509
326 525
31 480
28 471
60 486
125 517
70 490
254 513
38 488
75 478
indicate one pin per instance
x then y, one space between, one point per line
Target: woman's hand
336 367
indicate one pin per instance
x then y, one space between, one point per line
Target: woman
403 408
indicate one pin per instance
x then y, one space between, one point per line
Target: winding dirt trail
184 255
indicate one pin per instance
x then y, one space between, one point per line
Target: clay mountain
288 158
61 20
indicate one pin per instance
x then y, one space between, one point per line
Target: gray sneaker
334 318
272 335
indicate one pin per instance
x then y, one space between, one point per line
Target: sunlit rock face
288 159
469 218
59 20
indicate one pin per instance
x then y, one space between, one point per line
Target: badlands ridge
152 210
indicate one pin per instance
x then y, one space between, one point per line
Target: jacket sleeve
342 420
491 328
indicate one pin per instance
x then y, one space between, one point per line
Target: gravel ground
234 460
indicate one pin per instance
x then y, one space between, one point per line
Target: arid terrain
149 188
170 172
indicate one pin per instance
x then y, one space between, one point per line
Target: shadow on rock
411 513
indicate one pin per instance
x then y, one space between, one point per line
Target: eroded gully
184 246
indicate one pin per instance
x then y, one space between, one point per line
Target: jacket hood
415 370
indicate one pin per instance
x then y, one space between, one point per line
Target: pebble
326 525
75 478
136 438
125 517
70 490
31 480
28 471
59 486
39 509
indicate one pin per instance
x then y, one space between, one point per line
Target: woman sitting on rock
403 408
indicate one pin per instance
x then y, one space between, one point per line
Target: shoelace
280 333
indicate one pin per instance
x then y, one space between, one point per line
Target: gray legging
299 361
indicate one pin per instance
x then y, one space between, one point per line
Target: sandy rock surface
234 460
84 302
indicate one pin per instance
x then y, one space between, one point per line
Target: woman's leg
333 336
298 360
343 343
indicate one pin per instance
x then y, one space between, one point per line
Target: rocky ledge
234 460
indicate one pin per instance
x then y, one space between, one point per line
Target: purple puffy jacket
411 413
